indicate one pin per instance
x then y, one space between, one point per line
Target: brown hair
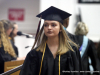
66 22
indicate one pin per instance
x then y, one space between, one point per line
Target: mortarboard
53 13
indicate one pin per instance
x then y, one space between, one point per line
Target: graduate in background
7 52
12 35
87 49
66 24
55 53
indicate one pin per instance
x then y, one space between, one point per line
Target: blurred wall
30 7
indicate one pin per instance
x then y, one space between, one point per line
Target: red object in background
16 14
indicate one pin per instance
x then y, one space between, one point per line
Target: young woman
7 52
54 54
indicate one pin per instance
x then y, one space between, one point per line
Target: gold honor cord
59 64
42 59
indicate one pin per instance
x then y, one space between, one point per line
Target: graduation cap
53 13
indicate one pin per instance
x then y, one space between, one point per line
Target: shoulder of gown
30 65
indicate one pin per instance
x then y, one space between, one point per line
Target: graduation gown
50 66
89 52
3 58
74 39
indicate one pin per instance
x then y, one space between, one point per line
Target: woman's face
9 31
51 28
15 29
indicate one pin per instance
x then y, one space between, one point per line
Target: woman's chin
50 36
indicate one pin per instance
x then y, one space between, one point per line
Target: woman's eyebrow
45 23
53 23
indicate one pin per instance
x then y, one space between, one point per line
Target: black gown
3 58
68 62
98 51
89 52
74 39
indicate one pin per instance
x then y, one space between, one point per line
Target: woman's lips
49 32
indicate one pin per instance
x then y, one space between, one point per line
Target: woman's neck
53 44
53 41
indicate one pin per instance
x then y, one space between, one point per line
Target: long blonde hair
64 41
4 41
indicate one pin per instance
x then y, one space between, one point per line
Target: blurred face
15 29
9 31
51 28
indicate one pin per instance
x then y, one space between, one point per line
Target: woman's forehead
50 21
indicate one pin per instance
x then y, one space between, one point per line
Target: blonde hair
4 41
81 29
64 41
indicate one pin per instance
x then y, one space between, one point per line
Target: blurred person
55 53
7 52
12 35
87 49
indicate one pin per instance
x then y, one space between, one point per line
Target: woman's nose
49 27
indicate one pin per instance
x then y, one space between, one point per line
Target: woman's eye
53 25
45 25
